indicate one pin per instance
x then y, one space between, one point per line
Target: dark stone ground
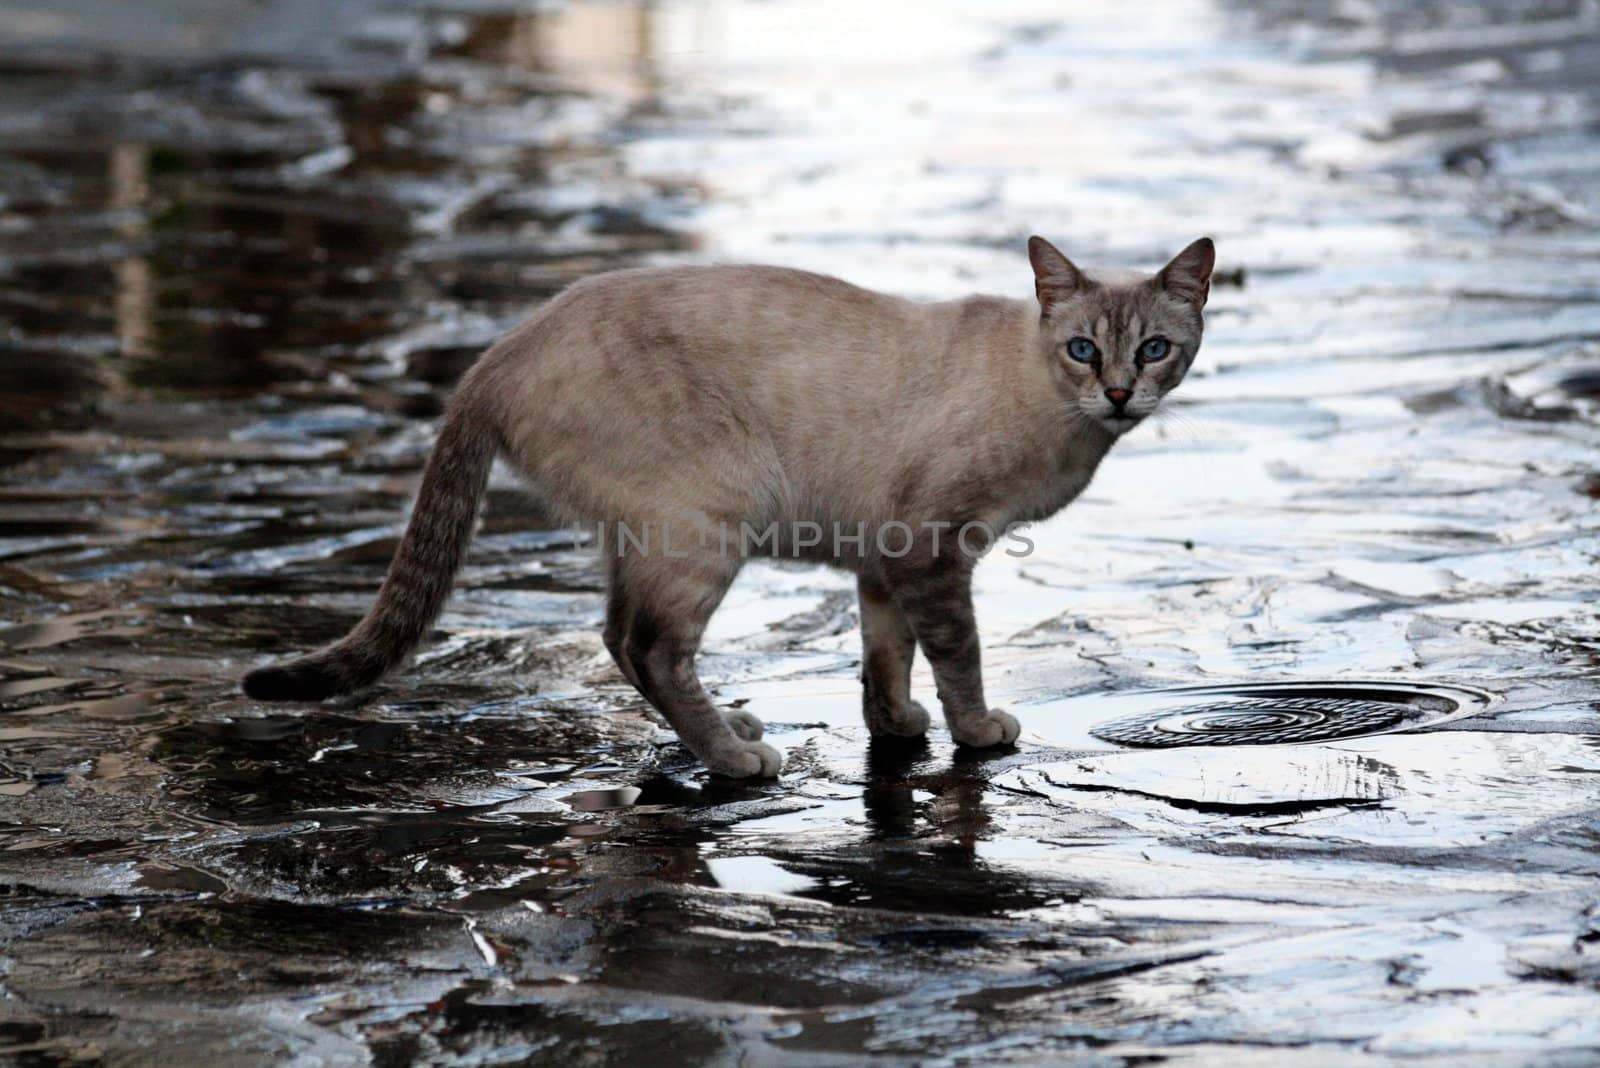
245 248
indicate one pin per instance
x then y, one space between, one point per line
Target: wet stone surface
240 265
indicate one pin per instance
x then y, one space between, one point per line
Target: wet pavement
244 252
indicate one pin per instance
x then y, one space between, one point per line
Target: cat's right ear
1188 276
1054 276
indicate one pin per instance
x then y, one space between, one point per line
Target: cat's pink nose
1119 397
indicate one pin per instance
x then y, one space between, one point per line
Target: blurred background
246 246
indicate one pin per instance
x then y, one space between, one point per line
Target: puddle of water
789 706
1402 579
1515 611
825 816
756 875
1401 790
602 800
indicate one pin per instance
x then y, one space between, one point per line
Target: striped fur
419 579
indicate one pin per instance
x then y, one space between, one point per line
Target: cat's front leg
887 646
935 593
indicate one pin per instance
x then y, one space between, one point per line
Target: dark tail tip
297 681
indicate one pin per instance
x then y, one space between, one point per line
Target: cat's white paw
746 726
751 760
907 721
997 728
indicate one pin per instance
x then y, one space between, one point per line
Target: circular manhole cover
1286 713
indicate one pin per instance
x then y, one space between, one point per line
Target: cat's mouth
1121 424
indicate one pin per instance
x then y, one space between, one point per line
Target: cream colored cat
694 415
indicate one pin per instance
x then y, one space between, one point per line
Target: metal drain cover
1286 713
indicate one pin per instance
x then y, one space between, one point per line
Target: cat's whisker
1178 422
1194 434
1188 426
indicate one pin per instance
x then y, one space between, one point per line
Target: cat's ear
1188 276
1054 276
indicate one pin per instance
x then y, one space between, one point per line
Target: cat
691 401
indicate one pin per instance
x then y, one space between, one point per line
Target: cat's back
759 308
726 278
728 325
736 300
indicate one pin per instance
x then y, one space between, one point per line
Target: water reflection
130 194
889 799
603 800
608 50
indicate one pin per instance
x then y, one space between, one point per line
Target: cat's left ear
1188 276
1055 278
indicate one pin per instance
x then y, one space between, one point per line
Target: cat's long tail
419 579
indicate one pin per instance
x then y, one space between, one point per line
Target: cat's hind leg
888 644
619 612
658 610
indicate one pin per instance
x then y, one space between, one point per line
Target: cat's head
1119 342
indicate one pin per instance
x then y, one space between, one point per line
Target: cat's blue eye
1082 350
1154 349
